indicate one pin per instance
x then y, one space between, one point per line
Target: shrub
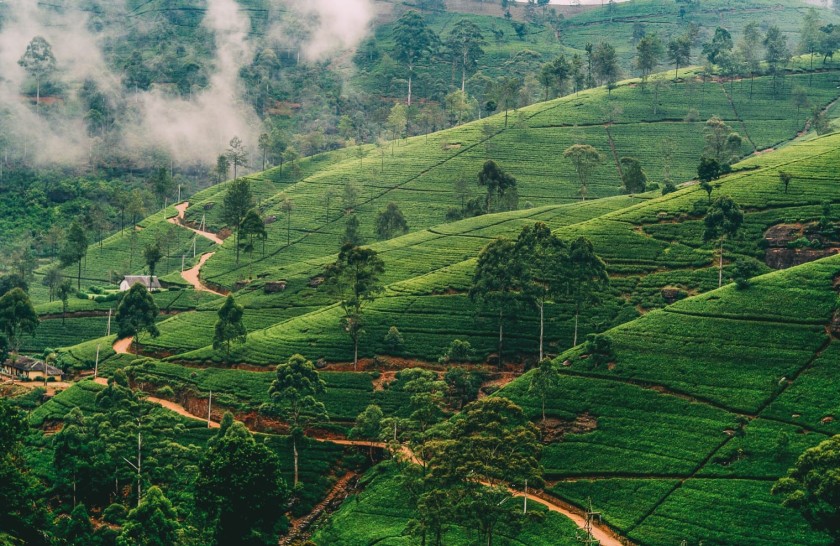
600 349
742 273
165 392
115 514
669 187
95 290
458 351
394 339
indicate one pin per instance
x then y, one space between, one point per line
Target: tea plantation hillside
652 247
679 433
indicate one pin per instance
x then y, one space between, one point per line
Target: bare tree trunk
355 353
409 84
501 325
720 265
577 314
542 330
294 449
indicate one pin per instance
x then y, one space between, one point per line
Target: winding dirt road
179 220
599 531
192 275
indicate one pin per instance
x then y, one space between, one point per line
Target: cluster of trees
535 269
458 471
123 455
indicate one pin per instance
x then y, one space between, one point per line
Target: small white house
151 283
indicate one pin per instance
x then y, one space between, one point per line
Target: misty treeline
105 94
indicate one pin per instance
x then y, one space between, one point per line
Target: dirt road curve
122 346
192 275
182 209
600 532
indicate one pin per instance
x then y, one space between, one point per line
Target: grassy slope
647 246
419 177
686 373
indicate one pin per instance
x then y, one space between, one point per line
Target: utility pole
96 366
588 538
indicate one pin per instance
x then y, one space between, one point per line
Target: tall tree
136 314
809 37
39 61
264 144
553 75
153 523
497 281
506 92
413 43
749 50
293 394
545 258
679 52
237 202
544 379
464 44
649 52
253 229
239 487
812 487
63 293
229 327
74 250
585 158
222 168
632 175
587 276
723 219
497 183
352 236
152 253
52 278
722 143
236 154
162 183
17 317
355 279
719 47
776 53
605 65
390 222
